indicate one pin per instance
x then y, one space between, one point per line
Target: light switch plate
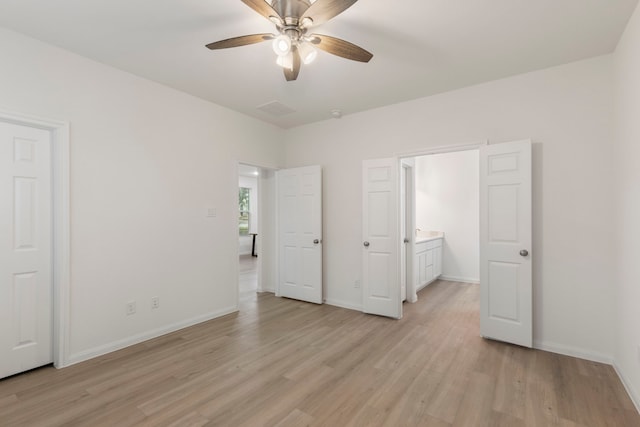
211 212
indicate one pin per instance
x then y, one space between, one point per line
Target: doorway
477 203
504 221
256 228
446 216
248 231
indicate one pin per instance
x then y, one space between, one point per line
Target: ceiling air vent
276 108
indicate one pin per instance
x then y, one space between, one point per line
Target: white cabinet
437 260
428 261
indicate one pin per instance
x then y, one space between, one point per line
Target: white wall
626 209
246 242
447 199
146 163
566 111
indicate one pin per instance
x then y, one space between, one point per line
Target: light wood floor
281 362
248 280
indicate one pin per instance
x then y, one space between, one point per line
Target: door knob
366 244
406 240
524 252
316 241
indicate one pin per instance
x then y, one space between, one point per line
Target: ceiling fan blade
323 10
292 74
240 41
341 48
263 8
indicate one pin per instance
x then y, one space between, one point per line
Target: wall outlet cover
130 308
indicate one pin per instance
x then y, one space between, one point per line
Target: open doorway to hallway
248 278
248 230
257 250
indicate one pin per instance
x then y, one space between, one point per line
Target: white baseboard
633 393
459 279
573 352
136 339
343 304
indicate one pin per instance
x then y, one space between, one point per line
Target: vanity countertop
425 236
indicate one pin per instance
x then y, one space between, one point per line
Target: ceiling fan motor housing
293 9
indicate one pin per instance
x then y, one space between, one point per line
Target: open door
380 231
25 249
300 233
505 243
408 235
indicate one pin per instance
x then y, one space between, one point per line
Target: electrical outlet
155 303
131 308
356 284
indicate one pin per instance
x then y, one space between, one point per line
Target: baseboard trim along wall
633 394
459 279
573 352
145 336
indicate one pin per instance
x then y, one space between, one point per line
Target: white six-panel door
25 249
505 243
300 233
380 232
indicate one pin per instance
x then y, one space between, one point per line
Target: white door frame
60 226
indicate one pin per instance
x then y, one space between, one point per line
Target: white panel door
25 249
505 243
380 232
300 233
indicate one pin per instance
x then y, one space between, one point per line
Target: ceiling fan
292 44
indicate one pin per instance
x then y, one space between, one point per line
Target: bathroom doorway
443 209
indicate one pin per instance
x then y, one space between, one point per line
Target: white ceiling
420 47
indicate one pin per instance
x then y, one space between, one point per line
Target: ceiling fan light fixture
293 19
276 20
282 45
308 53
285 61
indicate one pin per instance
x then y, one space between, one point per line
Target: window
243 203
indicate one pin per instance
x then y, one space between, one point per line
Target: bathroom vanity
428 259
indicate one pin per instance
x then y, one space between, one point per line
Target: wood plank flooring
248 280
282 363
